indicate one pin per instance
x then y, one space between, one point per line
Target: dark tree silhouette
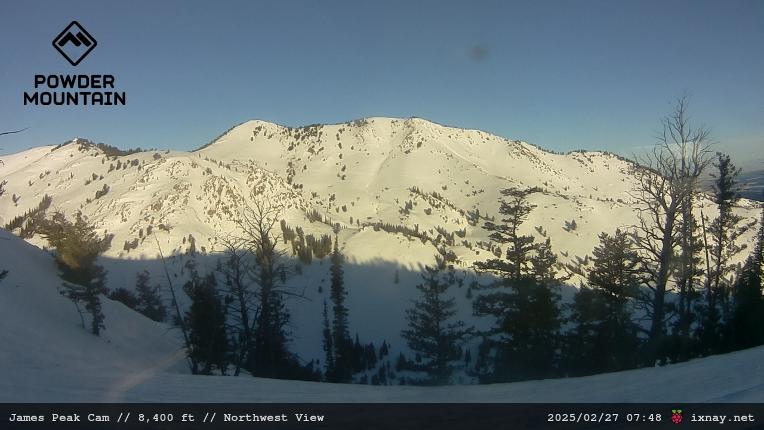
77 248
432 333
666 179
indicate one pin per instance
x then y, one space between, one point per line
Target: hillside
48 357
399 191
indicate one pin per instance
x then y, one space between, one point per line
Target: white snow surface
47 357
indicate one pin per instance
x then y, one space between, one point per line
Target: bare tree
192 364
2 133
236 270
666 181
269 356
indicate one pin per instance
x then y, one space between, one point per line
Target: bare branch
13 132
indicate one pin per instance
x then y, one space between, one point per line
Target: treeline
77 246
662 291
306 247
29 220
239 320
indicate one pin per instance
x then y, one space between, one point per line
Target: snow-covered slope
47 357
44 345
399 190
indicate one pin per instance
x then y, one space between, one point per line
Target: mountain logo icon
74 43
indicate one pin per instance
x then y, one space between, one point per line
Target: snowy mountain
48 357
399 191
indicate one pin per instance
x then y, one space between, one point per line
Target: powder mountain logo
74 43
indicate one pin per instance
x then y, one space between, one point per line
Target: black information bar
482 416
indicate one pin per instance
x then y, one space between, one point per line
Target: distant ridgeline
753 185
111 151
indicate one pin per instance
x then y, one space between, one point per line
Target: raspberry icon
676 416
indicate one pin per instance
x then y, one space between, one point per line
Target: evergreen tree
747 321
431 331
724 232
343 370
329 369
604 337
149 302
515 210
688 277
357 355
77 249
384 349
206 321
543 263
124 296
724 229
526 338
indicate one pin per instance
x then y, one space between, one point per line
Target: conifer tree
723 231
329 369
343 351
688 277
206 321
604 338
515 210
431 330
124 296
747 320
525 339
149 303
543 263
77 249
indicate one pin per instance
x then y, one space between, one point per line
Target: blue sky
560 74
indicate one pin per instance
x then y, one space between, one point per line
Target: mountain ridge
402 191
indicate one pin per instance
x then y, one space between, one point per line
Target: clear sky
560 74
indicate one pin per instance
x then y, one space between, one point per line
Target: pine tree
77 249
343 361
747 321
688 279
329 369
604 338
724 232
746 325
525 339
357 356
615 267
516 211
543 263
149 302
206 320
124 296
431 332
